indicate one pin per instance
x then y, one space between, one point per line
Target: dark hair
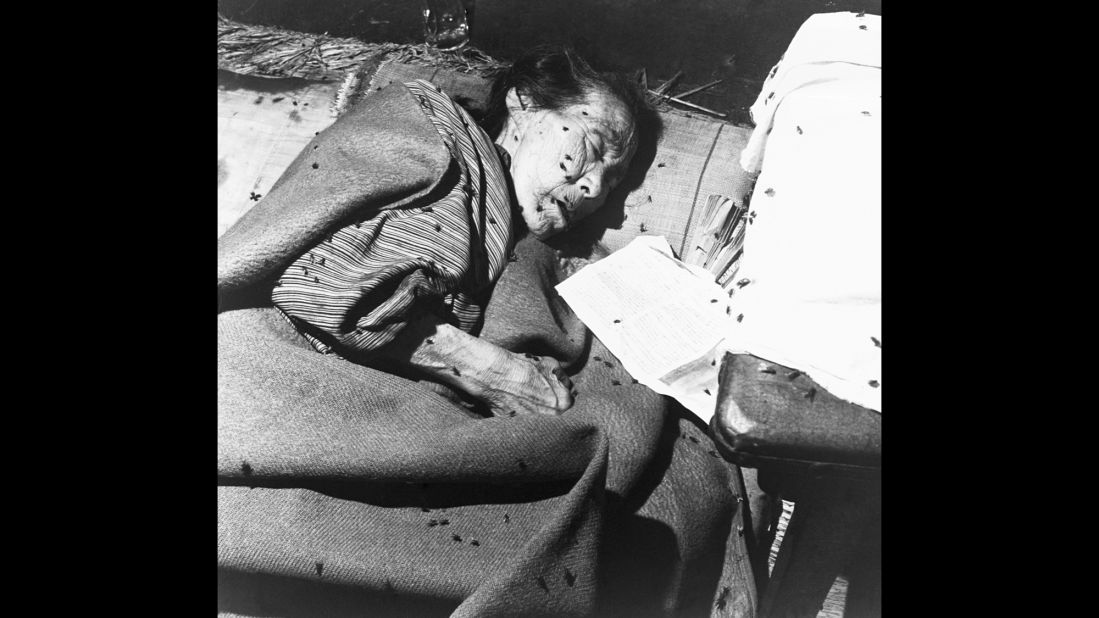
551 77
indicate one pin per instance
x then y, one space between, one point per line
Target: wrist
449 355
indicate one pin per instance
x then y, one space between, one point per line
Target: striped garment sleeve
357 288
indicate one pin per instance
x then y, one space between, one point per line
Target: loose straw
699 89
688 104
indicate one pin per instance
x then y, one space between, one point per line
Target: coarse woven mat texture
262 125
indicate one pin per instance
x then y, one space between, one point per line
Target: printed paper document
663 319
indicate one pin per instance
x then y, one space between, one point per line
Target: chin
544 231
540 226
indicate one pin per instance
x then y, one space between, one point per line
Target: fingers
549 366
558 382
562 377
541 386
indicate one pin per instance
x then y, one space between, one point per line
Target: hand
527 384
508 382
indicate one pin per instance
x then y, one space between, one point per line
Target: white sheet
813 252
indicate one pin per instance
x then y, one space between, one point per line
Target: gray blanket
345 489
348 490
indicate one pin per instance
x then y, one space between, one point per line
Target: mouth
562 208
551 216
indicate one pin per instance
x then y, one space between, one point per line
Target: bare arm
506 381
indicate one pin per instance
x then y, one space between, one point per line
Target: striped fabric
356 289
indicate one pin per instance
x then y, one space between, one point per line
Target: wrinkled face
565 162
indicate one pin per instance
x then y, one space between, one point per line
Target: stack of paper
719 239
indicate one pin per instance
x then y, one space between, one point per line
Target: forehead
606 116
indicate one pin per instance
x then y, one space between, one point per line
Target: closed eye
595 152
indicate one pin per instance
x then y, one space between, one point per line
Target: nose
592 184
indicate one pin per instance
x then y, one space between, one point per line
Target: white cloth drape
812 253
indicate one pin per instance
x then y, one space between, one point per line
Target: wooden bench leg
864 576
824 532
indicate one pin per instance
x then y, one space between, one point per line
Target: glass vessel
445 24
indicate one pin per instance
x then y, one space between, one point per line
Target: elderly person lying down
393 283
